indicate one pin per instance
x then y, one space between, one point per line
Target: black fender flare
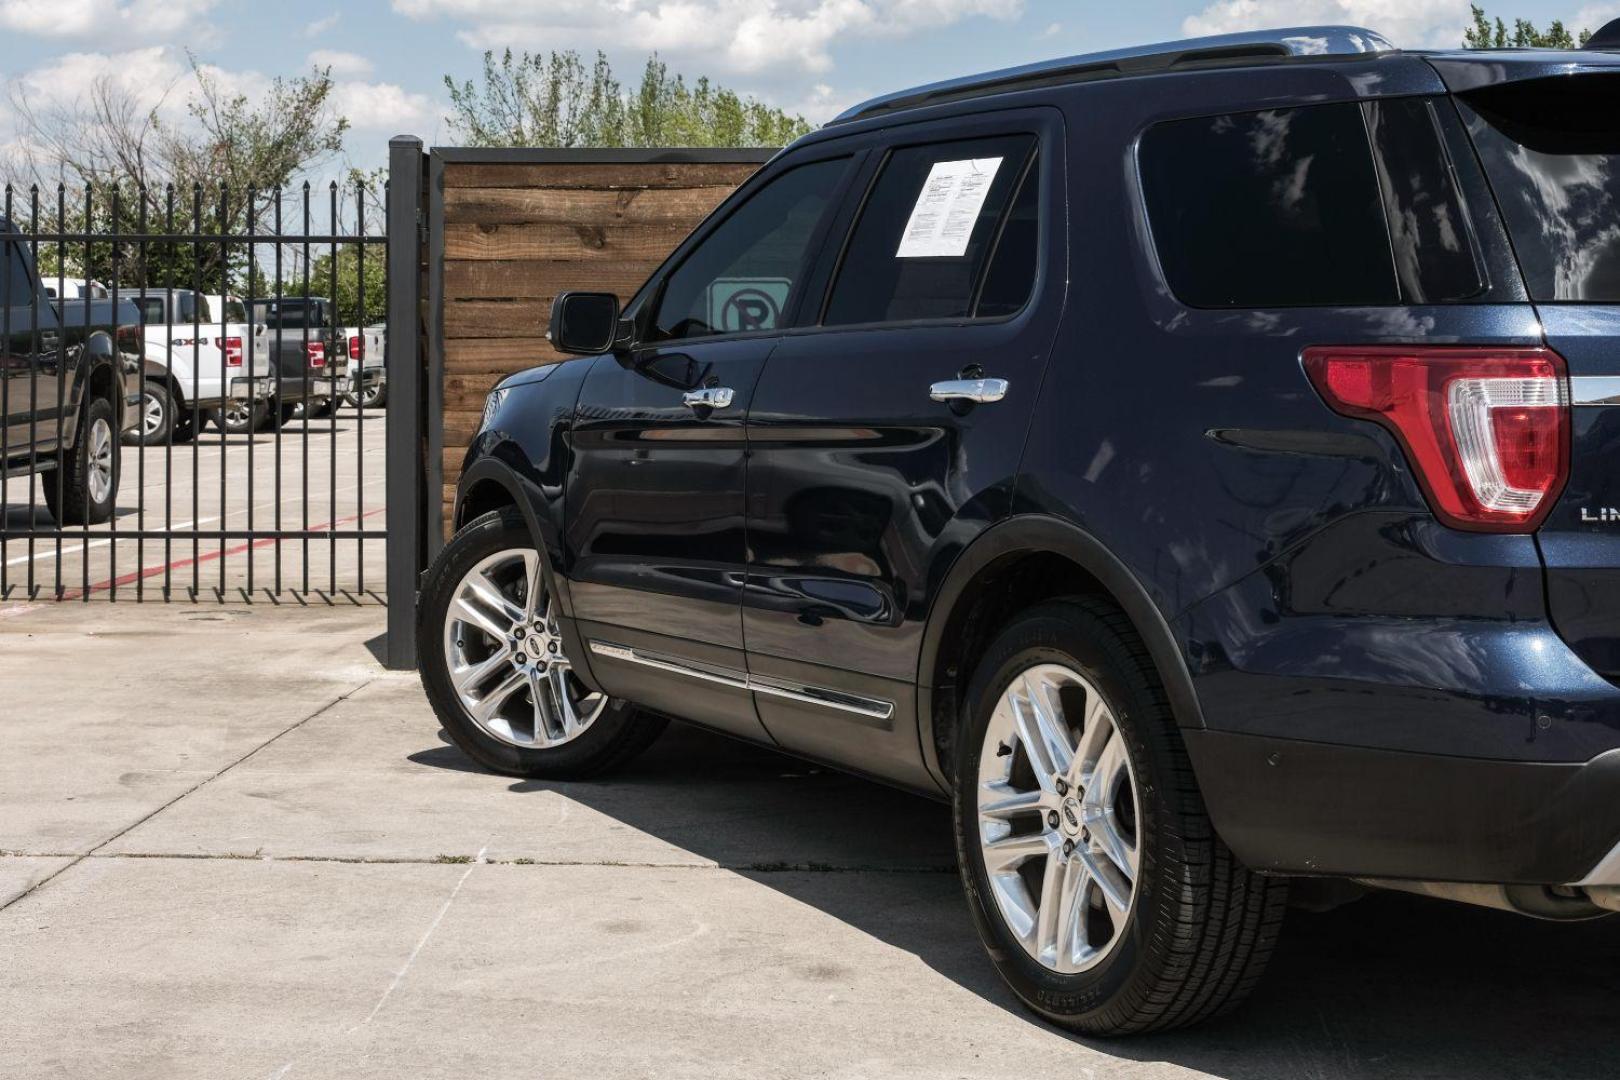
1038 533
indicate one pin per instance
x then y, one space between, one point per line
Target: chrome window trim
1594 390
864 707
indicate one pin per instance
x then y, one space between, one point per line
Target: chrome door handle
710 397
976 390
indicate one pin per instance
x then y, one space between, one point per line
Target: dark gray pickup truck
310 353
68 390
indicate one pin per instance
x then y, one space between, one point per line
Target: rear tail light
1486 430
130 337
232 348
357 348
316 351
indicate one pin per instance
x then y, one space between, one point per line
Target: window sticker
947 208
741 305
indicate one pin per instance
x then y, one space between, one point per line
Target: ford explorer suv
1200 464
68 375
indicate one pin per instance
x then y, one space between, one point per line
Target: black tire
67 493
378 399
156 401
276 415
239 420
1201 926
185 425
621 731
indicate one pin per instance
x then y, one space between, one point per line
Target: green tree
1487 33
558 100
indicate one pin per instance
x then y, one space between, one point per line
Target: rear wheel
496 666
85 487
1093 873
375 396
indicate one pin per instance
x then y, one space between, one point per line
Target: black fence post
406 479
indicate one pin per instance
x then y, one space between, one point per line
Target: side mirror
584 323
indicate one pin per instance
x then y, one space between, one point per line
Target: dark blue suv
1200 463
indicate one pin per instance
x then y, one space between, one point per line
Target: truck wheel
238 417
157 417
277 415
1092 870
375 396
87 485
496 669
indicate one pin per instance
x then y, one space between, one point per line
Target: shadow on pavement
1390 986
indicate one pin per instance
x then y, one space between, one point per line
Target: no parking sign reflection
738 305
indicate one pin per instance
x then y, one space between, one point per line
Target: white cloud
1052 30
384 107
1592 17
128 22
1407 23
742 35
341 63
317 27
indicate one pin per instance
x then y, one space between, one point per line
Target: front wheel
158 419
1094 875
497 670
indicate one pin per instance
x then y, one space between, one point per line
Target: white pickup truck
197 364
368 377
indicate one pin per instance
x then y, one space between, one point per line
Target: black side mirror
584 323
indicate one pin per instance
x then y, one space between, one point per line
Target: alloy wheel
151 414
504 651
1057 818
100 478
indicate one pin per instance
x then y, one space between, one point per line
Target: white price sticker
947 208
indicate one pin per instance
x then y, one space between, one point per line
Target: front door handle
980 391
710 397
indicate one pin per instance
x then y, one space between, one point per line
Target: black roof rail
1301 41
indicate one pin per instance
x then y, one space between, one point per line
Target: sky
813 57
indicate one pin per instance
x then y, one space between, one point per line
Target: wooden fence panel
516 232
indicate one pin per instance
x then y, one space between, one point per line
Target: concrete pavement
237 848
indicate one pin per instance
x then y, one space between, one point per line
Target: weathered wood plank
581 206
502 279
605 176
464 356
571 243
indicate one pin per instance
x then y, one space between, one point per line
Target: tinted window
1552 151
18 290
1435 257
290 314
1011 276
920 245
151 309
742 275
1268 209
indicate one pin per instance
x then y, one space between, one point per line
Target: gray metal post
404 419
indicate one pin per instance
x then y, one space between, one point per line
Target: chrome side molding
864 707
1594 390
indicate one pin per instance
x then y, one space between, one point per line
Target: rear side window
1268 209
931 225
1551 148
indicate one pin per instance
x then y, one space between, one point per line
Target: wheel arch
1022 560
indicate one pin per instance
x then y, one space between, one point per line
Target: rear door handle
710 397
976 390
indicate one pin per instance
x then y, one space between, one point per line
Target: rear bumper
1296 807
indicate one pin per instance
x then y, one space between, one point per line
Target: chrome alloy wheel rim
101 461
238 414
151 414
504 650
1057 818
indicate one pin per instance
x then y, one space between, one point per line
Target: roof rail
1138 60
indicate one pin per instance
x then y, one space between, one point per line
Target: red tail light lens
1486 430
316 351
232 348
129 338
357 348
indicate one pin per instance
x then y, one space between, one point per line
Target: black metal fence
191 392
